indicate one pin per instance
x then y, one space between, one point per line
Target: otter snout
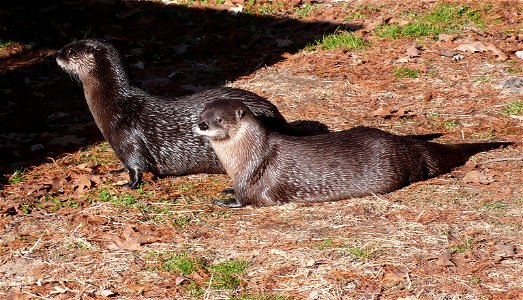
203 126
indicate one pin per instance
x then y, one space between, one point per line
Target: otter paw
131 184
228 203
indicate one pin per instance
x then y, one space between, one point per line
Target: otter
268 168
147 132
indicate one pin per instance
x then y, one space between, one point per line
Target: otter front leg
135 177
233 203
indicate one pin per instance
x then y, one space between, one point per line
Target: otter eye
69 51
219 120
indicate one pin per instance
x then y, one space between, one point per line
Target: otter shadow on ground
170 50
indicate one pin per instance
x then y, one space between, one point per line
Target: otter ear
240 113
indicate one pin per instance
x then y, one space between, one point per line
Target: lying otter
268 168
147 132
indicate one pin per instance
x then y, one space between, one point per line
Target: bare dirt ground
70 231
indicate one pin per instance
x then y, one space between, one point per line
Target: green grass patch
266 9
325 244
514 108
227 275
17 176
58 203
495 205
360 253
181 222
6 43
181 263
465 246
450 124
303 10
357 15
514 70
401 72
341 39
445 18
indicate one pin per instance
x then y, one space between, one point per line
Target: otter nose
203 126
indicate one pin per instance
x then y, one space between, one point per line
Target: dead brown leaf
446 37
413 50
82 184
501 56
132 239
399 21
445 259
472 47
387 112
477 176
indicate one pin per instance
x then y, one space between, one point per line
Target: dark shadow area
169 49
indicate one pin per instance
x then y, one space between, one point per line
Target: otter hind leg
233 203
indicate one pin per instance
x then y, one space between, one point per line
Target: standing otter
268 168
151 133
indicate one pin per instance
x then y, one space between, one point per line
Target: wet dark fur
269 168
151 133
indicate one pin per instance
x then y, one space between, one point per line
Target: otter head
89 57
220 119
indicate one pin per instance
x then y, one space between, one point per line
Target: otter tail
470 149
442 158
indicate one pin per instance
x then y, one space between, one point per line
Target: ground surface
69 231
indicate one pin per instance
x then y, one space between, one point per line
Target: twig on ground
34 295
208 290
488 161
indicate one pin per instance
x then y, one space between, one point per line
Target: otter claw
228 203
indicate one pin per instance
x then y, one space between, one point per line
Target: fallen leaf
58 290
310 263
477 176
446 37
448 53
393 278
106 293
472 47
507 250
382 112
480 47
179 280
131 240
82 184
403 59
412 50
498 52
399 21
445 259
137 288
88 166
387 112
236 9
